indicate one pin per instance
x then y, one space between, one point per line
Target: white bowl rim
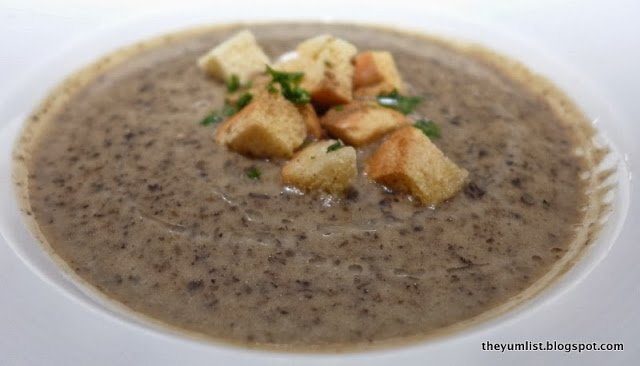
138 28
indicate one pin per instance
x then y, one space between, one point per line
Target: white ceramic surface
48 320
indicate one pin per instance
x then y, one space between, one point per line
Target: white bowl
143 334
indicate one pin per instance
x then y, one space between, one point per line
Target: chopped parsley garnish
243 101
289 85
285 77
339 108
219 116
228 110
401 103
428 127
211 119
335 146
233 84
253 173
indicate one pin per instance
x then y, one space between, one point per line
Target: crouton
317 167
311 120
408 161
259 84
268 127
375 73
239 55
328 71
359 123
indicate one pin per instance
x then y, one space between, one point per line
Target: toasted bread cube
328 71
311 120
375 73
259 85
314 168
408 161
240 55
268 127
359 123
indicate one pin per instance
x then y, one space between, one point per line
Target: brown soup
136 198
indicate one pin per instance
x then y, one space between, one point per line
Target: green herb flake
253 173
401 103
211 119
233 84
216 117
335 146
328 64
228 110
285 77
244 100
339 108
289 85
428 127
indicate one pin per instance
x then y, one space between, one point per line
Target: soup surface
135 196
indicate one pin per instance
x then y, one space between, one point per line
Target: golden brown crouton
375 73
328 71
408 161
268 127
317 168
259 84
311 120
239 55
359 123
